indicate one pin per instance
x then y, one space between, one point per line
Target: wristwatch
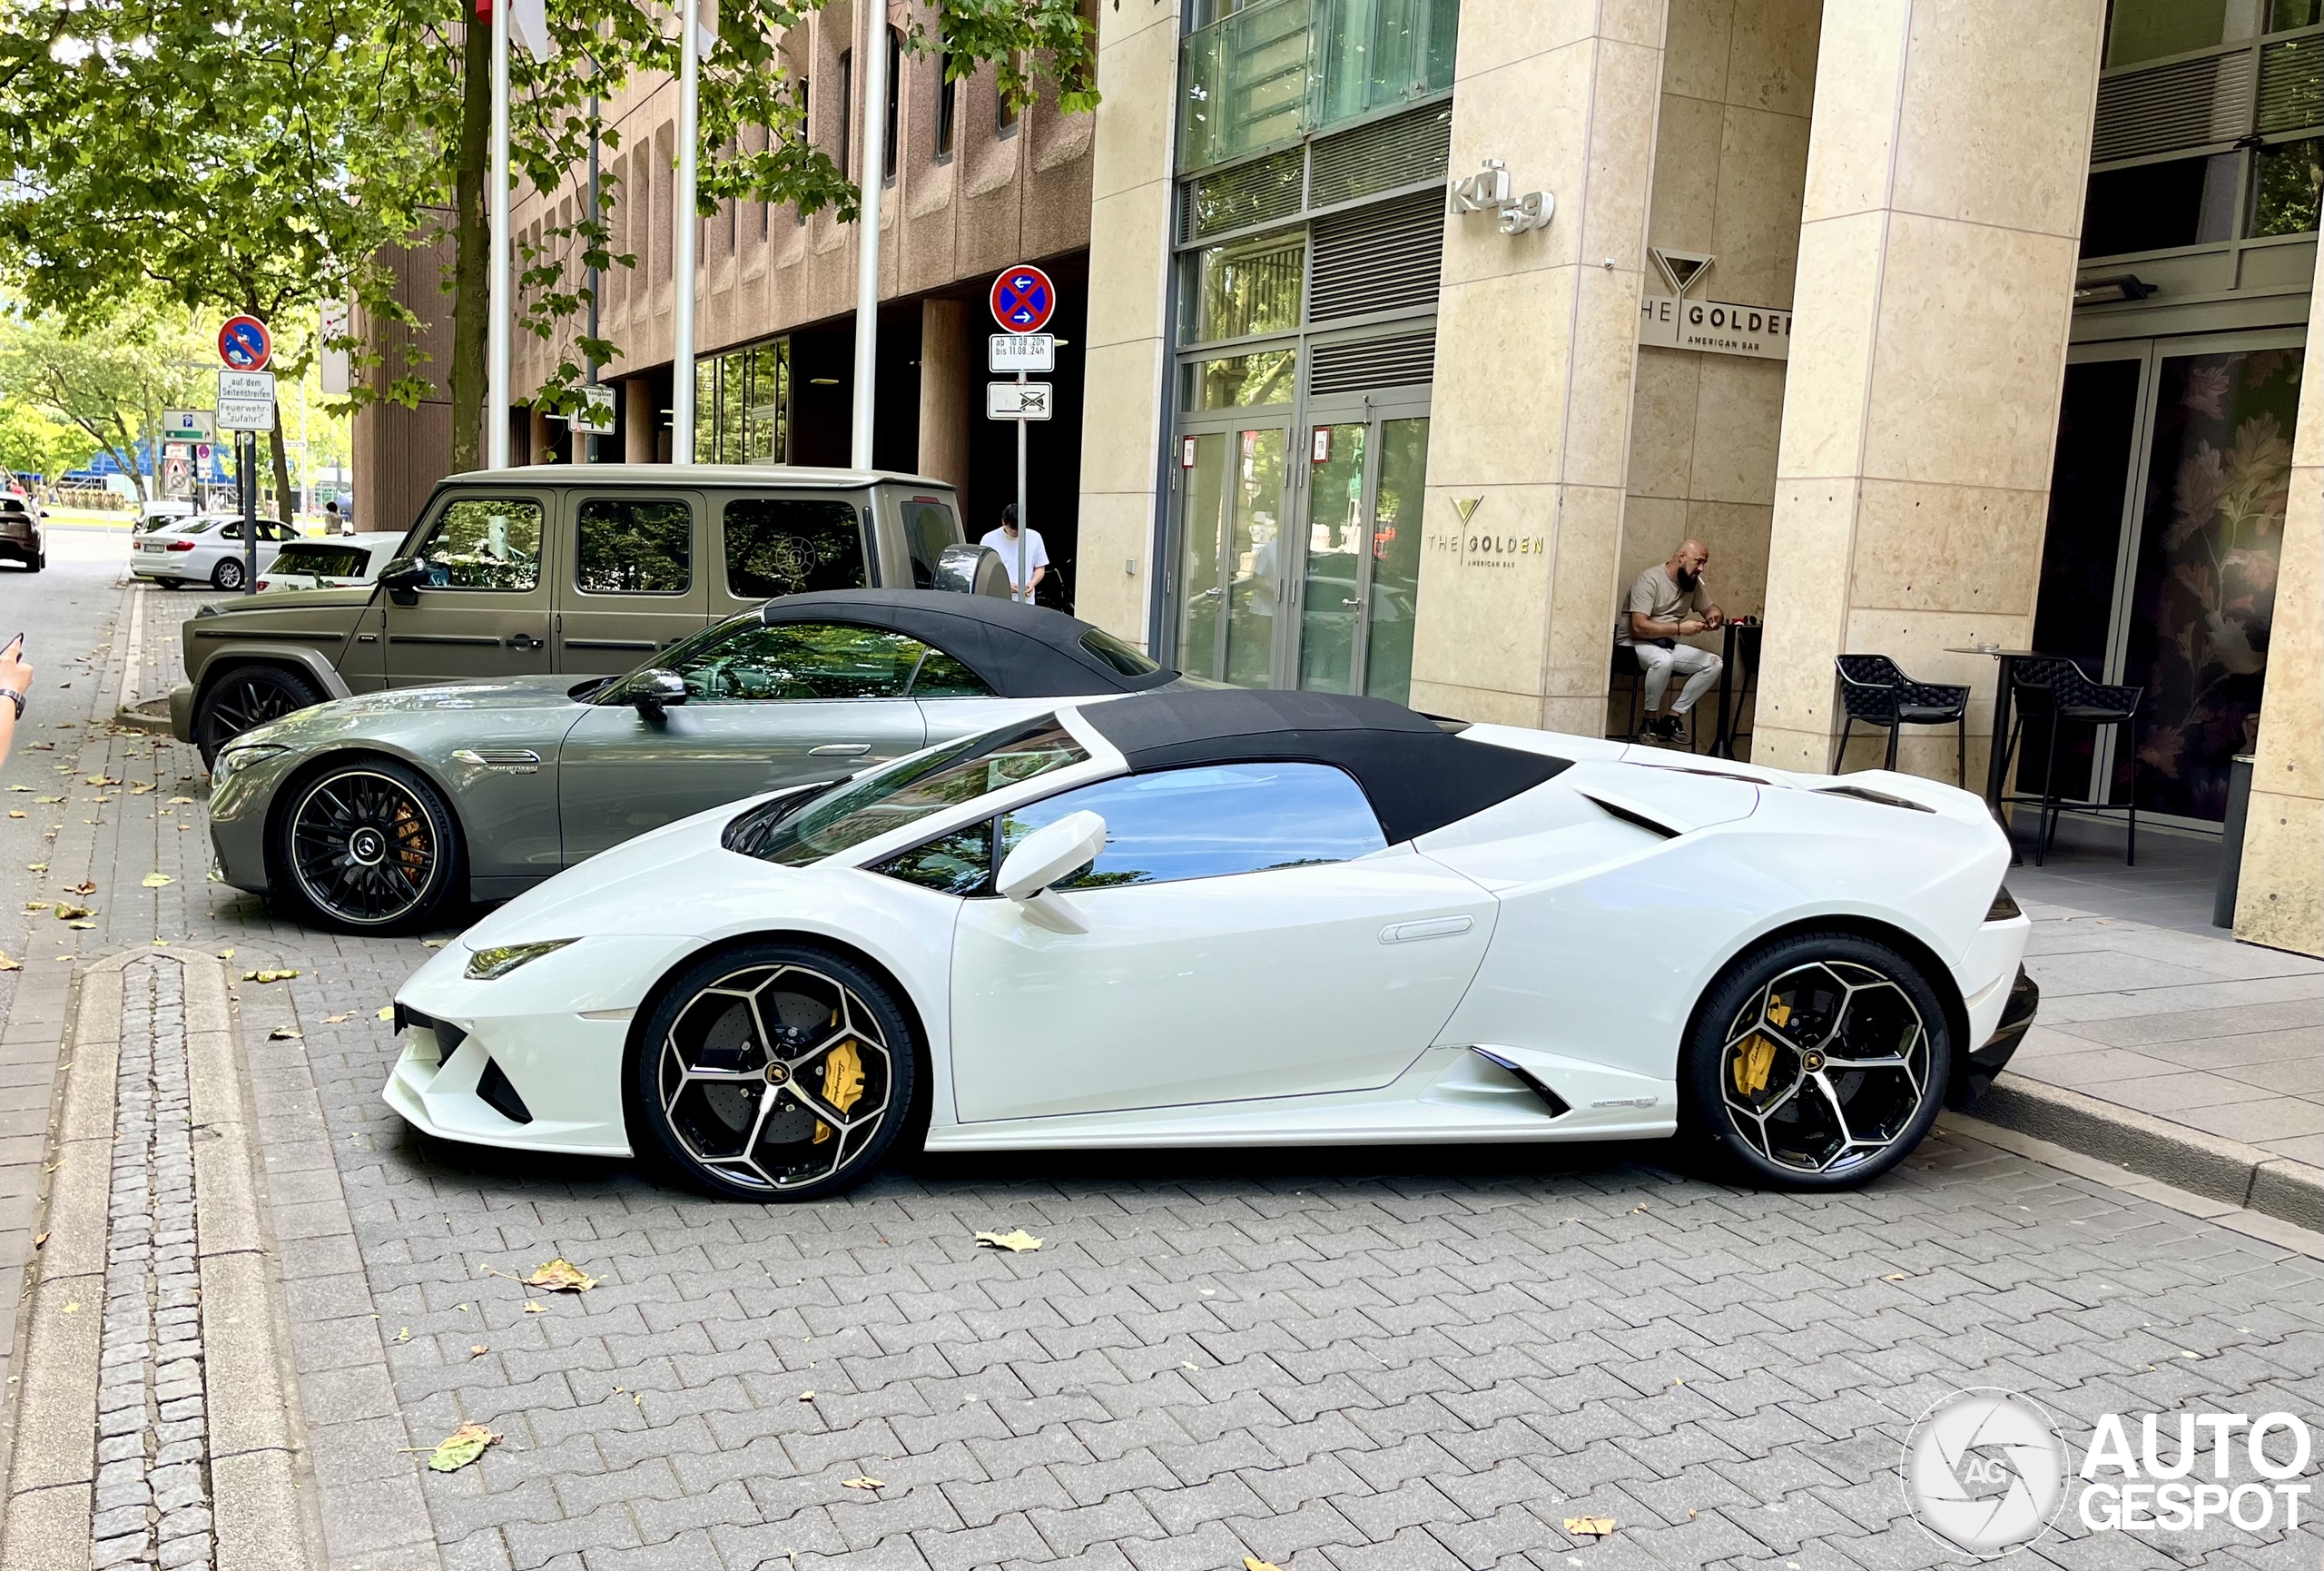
16 699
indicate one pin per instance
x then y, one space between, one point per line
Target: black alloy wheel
367 847
227 575
245 699
776 1072
1815 1062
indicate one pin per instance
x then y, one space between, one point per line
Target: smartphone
14 645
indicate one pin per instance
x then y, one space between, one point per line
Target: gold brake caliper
843 1083
1753 1061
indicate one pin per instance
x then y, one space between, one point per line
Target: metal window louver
1346 367
1381 155
2163 108
2292 84
1377 258
1254 193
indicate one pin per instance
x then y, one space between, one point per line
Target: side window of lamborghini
1210 821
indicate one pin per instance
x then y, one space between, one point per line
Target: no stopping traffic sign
1022 299
244 344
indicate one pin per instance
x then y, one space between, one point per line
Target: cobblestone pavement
1325 1360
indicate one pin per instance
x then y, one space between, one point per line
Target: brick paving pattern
153 1494
1332 1361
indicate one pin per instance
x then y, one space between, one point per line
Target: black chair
2051 693
1875 691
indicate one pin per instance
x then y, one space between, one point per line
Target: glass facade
741 403
1256 76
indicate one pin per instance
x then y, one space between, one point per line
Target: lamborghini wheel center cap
1815 1061
777 1074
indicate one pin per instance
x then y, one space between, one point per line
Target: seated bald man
1666 604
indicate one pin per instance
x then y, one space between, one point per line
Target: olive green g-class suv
585 570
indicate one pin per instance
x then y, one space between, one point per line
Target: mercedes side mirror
967 569
402 578
1046 857
654 692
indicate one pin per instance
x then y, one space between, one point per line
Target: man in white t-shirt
1005 540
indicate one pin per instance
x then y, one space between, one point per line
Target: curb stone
2227 1171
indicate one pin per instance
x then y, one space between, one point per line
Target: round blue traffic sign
244 344
1022 299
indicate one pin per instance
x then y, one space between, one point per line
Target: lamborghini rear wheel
775 1072
1817 1061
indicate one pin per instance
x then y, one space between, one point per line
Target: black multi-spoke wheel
245 697
776 1072
367 847
1817 1062
227 575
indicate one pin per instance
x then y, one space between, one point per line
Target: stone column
1536 353
1947 159
1127 346
948 389
2279 895
639 422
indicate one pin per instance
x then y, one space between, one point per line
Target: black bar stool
2050 693
1873 690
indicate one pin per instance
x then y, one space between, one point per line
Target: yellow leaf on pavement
561 1276
179 801
51 800
386 1012
267 975
17 812
337 1019
66 911
1253 1563
461 1446
225 955
35 867
862 1484
158 880
1016 1242
80 926
1589 1527
531 1308
8 965
284 1034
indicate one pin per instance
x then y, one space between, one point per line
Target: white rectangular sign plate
1016 352
188 425
245 400
597 417
1017 400
1715 327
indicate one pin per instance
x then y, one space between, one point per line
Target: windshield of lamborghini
861 809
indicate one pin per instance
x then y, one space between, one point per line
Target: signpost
1023 300
188 425
595 418
246 407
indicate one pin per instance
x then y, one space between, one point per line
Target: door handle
1355 602
1436 927
840 750
525 641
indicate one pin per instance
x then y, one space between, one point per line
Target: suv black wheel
1815 1062
227 575
367 847
245 697
776 1070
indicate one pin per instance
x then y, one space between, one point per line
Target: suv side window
634 546
791 546
803 660
485 545
928 529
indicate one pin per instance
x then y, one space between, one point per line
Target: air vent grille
1381 155
2292 84
1377 258
1247 193
2188 104
1346 368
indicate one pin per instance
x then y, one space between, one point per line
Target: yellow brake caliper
843 1083
1756 1057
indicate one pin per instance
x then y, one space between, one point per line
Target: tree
32 443
111 387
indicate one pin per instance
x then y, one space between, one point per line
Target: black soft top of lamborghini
1419 774
1020 651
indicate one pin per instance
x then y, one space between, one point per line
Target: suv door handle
525 641
840 750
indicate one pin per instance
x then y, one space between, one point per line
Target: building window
846 107
895 100
1240 382
2286 183
807 135
742 405
1246 287
948 104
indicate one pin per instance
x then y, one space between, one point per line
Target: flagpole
496 411
867 231
688 226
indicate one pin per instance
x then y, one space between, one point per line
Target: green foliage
32 443
111 387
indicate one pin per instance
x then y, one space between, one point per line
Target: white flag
528 28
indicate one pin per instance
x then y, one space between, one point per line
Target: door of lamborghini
1248 936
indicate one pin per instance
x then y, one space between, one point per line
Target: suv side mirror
970 569
1046 855
402 578
652 692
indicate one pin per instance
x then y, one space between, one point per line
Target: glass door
1232 506
1362 566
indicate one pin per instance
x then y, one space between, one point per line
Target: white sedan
1215 917
333 562
206 548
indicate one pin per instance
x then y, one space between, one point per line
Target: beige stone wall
1536 354
1730 165
2279 895
1947 160
1128 331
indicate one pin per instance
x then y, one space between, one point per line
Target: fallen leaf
35 867
39 1240
225 955
8 965
52 801
806 1396
1896 1277
19 787
461 1446
862 1484
1016 1242
66 911
404 1335
532 1308
1253 1563
1589 1527
477 1350
80 926
18 813
431 943
157 880
337 1019
180 801
102 780
139 789
561 1276
285 1033
73 1307
213 876
267 975
386 1012
86 886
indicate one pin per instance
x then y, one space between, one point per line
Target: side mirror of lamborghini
1044 857
654 692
